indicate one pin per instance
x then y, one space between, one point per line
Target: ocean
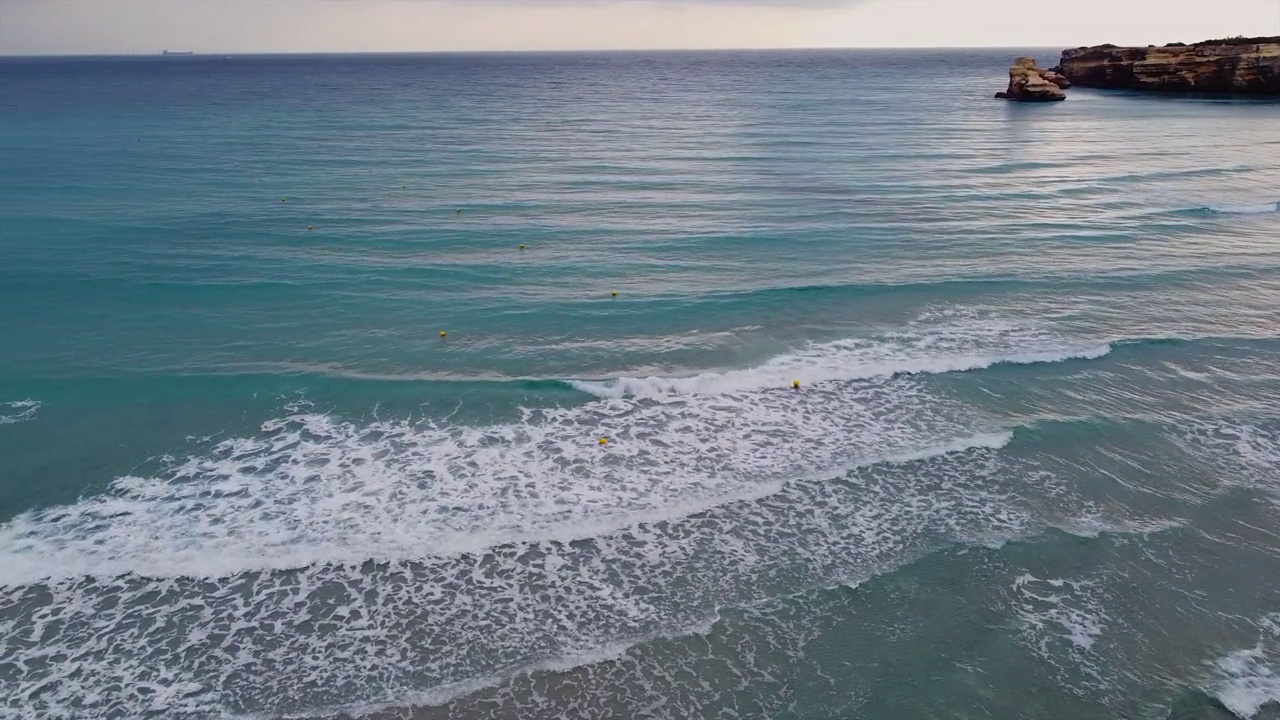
1032 467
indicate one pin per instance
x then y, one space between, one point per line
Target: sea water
1032 468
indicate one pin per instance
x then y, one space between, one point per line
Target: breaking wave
324 561
16 411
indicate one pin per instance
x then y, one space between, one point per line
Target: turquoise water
1032 470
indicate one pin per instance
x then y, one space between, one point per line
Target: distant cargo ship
176 52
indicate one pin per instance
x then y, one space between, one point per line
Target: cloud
146 26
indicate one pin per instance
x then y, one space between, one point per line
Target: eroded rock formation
1028 82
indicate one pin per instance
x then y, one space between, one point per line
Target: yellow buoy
795 384
521 246
613 293
604 441
443 333
311 227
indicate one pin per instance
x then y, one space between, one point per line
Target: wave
1095 523
1199 341
1247 449
1060 614
1052 352
436 627
1254 209
779 374
316 488
426 557
930 350
210 521
19 411
1249 680
442 695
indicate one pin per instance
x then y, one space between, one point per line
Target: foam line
331 634
324 561
1255 209
16 411
1249 680
314 488
838 361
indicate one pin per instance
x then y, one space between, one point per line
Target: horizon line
564 51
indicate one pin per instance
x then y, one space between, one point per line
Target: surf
490 614
314 487
18 411
827 362
1250 209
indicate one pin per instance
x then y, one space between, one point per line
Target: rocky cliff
1242 65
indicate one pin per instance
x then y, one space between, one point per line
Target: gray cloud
143 26
146 26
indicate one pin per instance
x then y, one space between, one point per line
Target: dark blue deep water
1032 469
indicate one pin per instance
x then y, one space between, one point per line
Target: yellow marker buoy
521 246
795 384
311 227
604 441
613 293
443 333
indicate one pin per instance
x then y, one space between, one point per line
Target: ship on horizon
176 52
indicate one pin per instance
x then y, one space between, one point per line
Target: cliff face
1205 67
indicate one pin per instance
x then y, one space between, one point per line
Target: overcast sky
147 26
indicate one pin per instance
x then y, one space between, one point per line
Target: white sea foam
1244 451
316 489
312 488
1093 521
437 696
1248 681
1056 607
332 633
325 561
16 411
928 349
1062 620
1253 209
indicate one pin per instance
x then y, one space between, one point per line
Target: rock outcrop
1027 82
1240 65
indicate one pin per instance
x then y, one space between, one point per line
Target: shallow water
1033 467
